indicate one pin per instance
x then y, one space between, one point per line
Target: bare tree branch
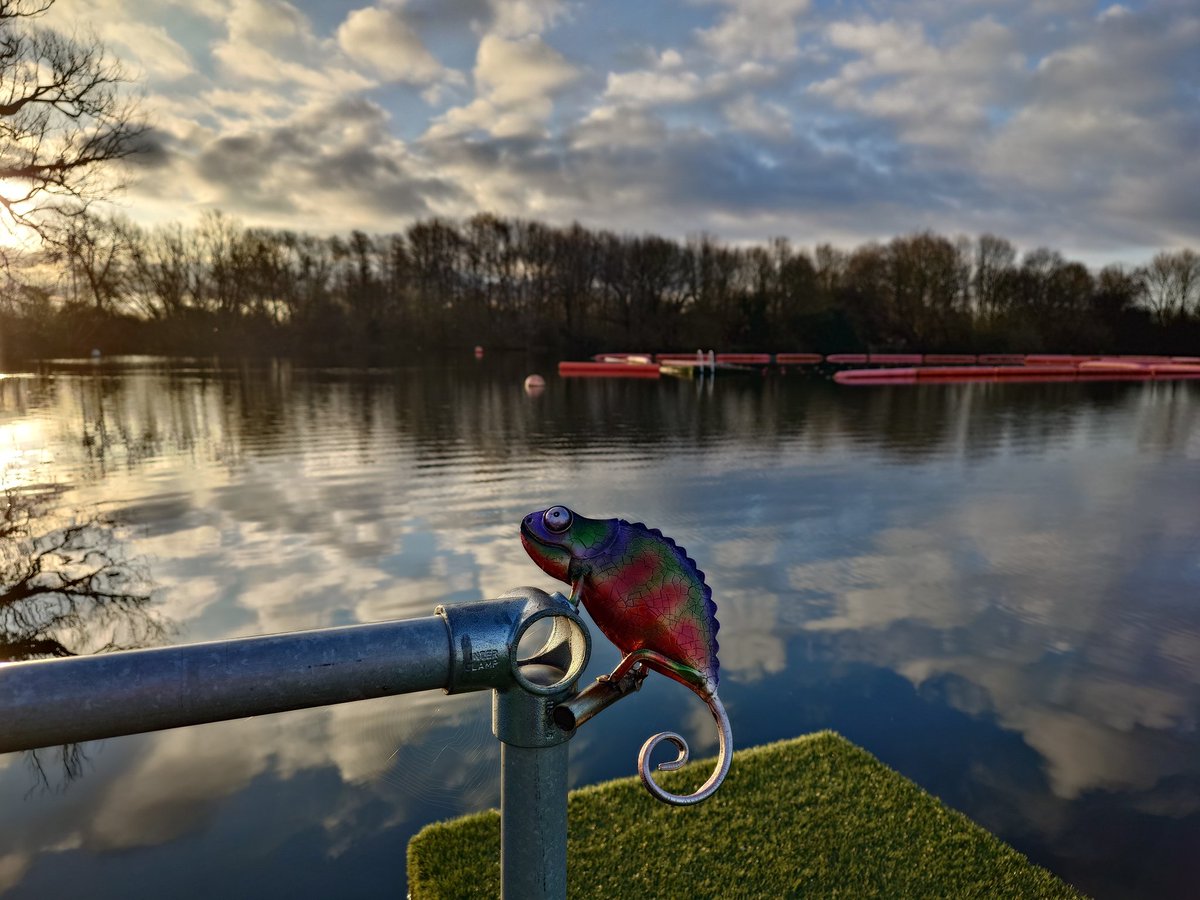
63 121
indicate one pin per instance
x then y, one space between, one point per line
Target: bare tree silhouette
63 120
67 589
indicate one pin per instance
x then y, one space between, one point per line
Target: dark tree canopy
63 120
220 287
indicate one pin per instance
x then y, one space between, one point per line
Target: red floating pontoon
876 376
745 359
608 370
951 359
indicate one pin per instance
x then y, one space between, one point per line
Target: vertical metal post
533 811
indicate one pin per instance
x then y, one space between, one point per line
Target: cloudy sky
1062 122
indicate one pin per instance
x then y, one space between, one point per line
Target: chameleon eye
557 519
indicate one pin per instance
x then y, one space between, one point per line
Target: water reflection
68 587
991 587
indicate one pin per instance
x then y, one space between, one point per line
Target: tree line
219 287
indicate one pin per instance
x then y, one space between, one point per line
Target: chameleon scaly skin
647 597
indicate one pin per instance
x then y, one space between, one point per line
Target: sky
1064 123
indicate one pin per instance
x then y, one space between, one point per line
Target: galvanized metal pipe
465 647
50 702
533 796
533 822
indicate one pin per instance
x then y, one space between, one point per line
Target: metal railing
463 647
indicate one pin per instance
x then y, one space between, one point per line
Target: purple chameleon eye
557 519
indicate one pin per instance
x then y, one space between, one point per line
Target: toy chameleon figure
649 599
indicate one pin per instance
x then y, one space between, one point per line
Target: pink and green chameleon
647 597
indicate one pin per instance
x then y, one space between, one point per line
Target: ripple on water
989 586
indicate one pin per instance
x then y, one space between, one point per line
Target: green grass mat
816 816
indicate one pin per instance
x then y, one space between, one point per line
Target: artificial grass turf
815 816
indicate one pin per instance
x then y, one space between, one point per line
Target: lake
993 588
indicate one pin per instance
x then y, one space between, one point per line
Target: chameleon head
546 536
554 537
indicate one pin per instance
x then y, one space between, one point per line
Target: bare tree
97 252
1171 284
995 262
926 293
164 271
63 119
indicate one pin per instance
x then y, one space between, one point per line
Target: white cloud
150 46
515 83
887 46
272 42
518 18
268 23
380 37
254 104
936 96
652 88
512 72
747 114
608 127
755 30
668 81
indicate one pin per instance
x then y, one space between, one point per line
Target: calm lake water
993 588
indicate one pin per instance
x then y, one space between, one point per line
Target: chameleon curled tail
706 790
687 677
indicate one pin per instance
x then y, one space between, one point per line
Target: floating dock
894 368
1084 370
624 369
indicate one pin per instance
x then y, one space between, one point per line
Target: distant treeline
223 288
